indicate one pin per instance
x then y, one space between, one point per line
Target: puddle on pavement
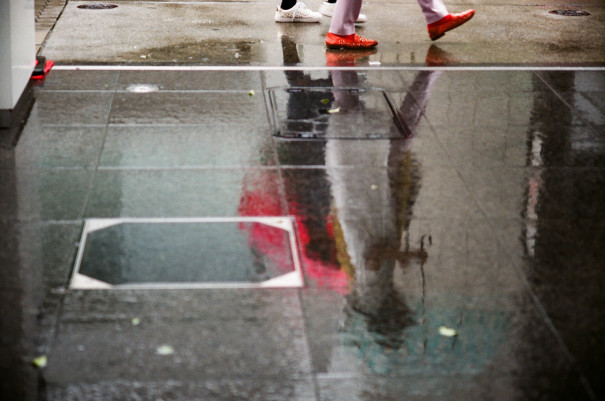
570 13
187 253
209 51
97 6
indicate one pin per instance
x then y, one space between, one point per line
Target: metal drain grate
243 252
315 113
570 13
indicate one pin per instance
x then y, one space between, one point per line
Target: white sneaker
327 9
299 13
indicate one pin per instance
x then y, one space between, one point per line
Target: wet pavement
437 233
243 33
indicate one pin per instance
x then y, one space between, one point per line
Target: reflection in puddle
353 222
373 222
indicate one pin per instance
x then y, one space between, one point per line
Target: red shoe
449 22
352 41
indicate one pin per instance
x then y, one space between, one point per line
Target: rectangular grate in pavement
334 113
173 253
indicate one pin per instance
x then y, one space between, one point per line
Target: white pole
17 52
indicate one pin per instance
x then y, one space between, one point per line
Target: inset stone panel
187 253
334 113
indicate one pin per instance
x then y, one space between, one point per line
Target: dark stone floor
423 201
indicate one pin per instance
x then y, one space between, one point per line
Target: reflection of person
372 204
351 217
315 231
301 115
342 27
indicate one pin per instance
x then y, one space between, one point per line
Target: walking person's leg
342 27
345 14
433 10
327 8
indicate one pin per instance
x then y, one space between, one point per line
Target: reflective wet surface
244 33
450 235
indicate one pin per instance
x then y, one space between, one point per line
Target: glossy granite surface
420 200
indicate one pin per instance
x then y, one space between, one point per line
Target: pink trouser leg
345 15
433 10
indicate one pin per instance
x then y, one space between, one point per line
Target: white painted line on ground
318 68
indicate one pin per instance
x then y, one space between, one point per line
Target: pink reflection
260 197
320 266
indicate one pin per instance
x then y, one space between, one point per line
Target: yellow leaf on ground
40 361
447 332
164 350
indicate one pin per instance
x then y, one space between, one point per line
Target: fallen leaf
336 110
40 361
251 93
325 101
164 350
447 332
135 321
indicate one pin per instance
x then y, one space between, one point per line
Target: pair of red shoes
436 30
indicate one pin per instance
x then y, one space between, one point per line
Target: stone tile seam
95 167
307 340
